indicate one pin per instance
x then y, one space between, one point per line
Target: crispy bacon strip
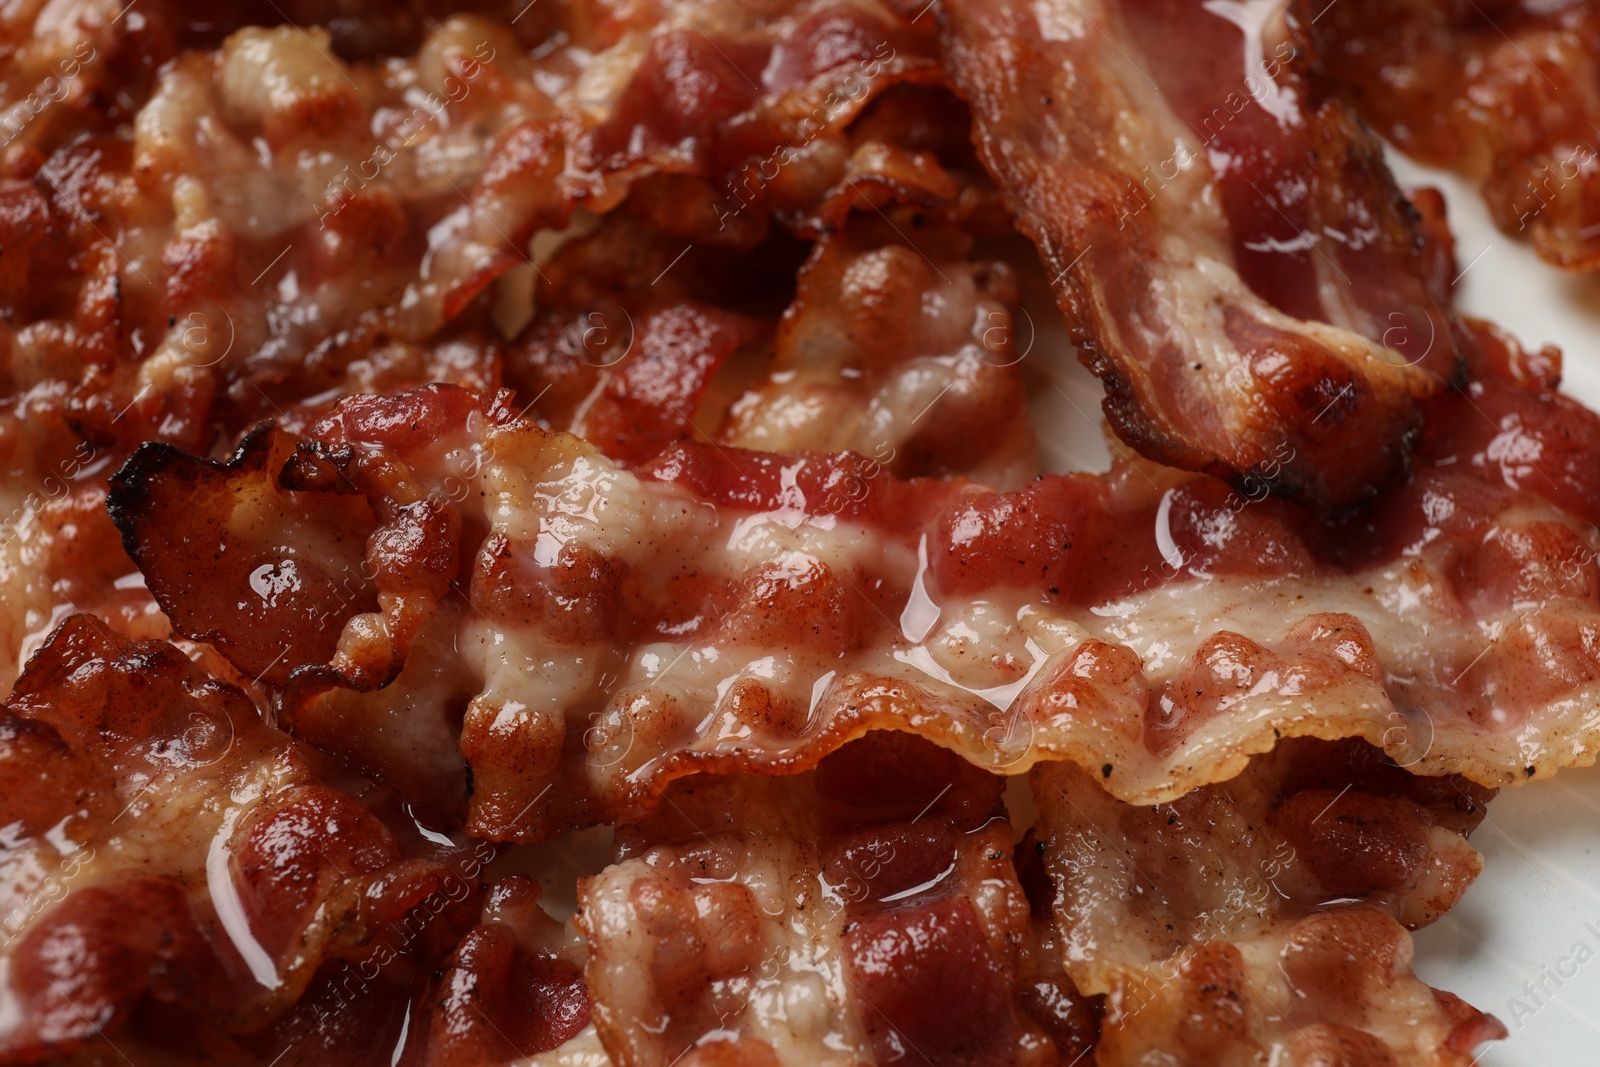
168 847
57 545
507 989
1507 94
1234 260
512 988
286 223
864 912
1261 920
186 252
592 633
897 347
72 70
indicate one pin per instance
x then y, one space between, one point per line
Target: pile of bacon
430 436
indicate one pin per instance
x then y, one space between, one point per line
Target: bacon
1247 281
1502 93
607 631
57 544
186 252
512 988
75 70
171 848
863 912
509 990
899 348
251 251
1265 918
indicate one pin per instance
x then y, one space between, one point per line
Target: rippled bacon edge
135 306
430 577
898 347
1261 919
133 782
117 249
1206 261
1502 94
864 912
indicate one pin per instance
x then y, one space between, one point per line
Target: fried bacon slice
509 991
433 568
67 70
863 912
897 347
1507 94
284 223
167 847
186 252
512 988
1264 919
1233 258
59 551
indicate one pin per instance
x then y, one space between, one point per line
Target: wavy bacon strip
866 912
187 252
285 223
1232 256
1507 94
170 849
1265 919
499 985
898 347
901 349
432 567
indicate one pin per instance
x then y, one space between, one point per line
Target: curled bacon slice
168 847
898 347
1233 257
1504 93
484 987
864 912
903 349
1265 919
512 988
591 633
187 252
249 249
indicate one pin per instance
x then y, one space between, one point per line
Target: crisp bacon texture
285 223
432 578
209 217
1264 920
898 348
171 857
1506 93
904 351
166 846
1234 259
863 912
429 433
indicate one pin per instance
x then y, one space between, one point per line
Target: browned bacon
1506 93
900 348
168 848
1264 920
899 344
864 912
507 989
197 239
432 567
1232 256
285 223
